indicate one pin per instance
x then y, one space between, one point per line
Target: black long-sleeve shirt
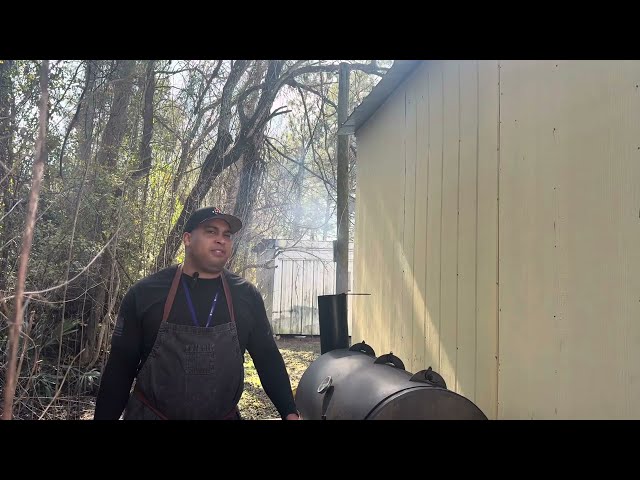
139 319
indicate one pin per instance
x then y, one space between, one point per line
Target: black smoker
351 383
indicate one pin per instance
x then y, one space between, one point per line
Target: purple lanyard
193 312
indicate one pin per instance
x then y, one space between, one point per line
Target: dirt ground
298 353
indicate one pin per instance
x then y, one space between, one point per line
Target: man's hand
292 416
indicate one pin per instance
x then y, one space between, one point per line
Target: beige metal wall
547 278
426 227
570 240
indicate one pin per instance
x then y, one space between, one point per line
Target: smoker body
353 384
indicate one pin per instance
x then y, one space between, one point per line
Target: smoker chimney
334 329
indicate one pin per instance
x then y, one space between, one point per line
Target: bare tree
6 157
223 154
106 159
227 149
147 121
15 326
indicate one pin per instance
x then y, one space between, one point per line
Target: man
182 332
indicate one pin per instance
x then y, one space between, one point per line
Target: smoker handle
363 348
390 359
326 390
430 377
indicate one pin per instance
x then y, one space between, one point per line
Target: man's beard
206 267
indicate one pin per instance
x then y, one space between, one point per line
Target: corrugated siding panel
403 347
420 333
449 223
466 327
434 211
395 259
486 376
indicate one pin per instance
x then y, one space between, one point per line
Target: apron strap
227 294
172 293
174 288
144 400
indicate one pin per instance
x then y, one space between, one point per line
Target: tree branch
369 68
75 117
71 280
293 83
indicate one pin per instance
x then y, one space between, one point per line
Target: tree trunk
146 152
250 181
107 160
38 173
252 128
117 122
216 161
87 114
147 122
214 164
6 156
186 151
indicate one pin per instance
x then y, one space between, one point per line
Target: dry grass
298 353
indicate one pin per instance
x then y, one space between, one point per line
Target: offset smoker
353 384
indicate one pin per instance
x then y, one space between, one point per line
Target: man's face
209 245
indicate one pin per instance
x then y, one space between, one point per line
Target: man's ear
186 239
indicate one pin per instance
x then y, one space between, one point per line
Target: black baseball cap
208 213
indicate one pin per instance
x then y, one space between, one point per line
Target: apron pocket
199 359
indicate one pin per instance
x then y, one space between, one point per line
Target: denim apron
192 372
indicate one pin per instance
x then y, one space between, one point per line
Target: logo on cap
216 211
